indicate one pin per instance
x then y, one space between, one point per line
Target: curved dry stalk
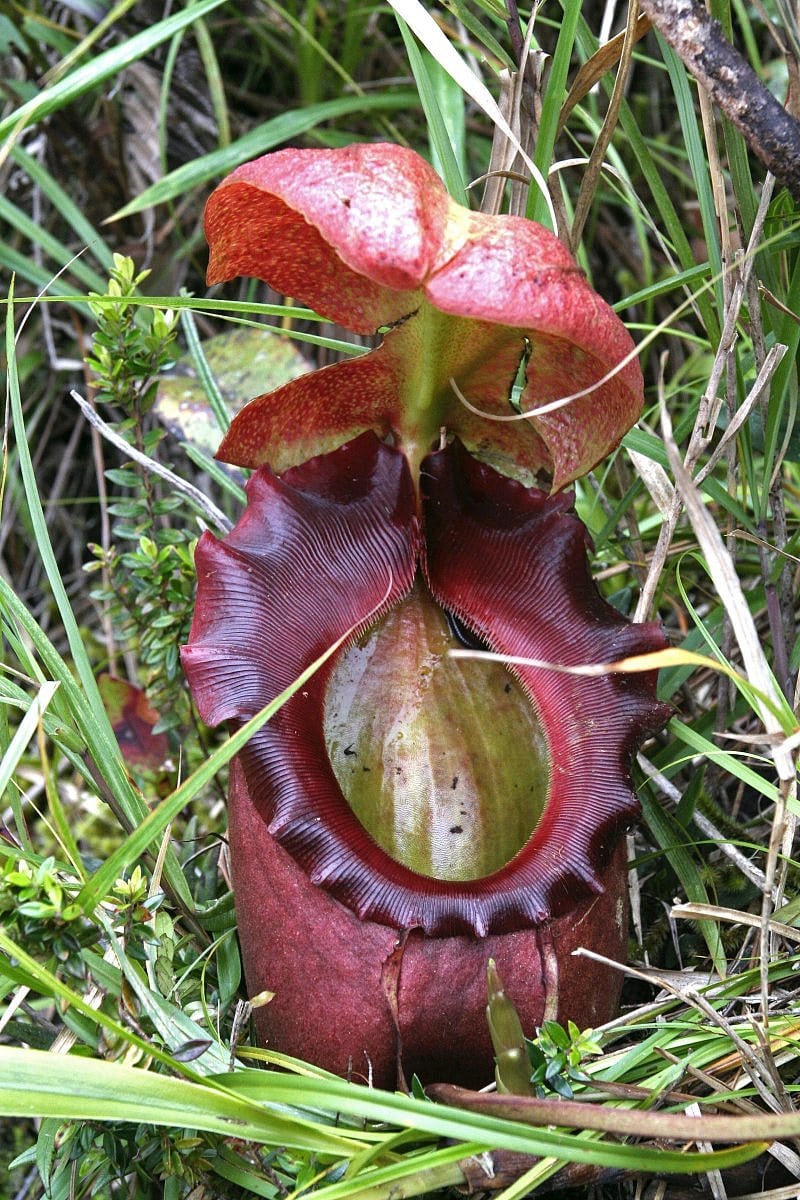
193 494
592 173
578 1114
518 94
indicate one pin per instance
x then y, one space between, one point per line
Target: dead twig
193 494
770 131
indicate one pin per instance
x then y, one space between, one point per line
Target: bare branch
193 494
770 131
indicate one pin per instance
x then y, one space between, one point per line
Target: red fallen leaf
132 719
368 236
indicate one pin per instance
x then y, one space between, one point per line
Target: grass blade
31 1085
674 840
426 69
88 708
106 65
159 818
25 731
284 128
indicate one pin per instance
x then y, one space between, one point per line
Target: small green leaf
512 1070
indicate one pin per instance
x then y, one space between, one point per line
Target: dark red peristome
525 588
352 997
326 549
320 551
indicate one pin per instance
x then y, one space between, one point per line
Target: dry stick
772 134
768 368
195 496
519 92
595 164
706 827
503 158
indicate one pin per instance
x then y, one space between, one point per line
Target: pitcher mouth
444 761
336 545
